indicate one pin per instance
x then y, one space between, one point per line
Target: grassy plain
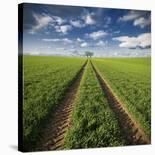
130 78
46 80
94 124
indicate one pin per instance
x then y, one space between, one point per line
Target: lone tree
89 54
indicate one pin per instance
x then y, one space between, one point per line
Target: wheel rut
130 129
54 133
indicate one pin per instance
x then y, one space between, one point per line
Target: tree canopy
89 54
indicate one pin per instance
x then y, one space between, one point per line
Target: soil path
53 135
130 129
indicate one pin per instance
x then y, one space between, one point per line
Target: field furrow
93 122
72 103
46 81
130 129
53 136
130 80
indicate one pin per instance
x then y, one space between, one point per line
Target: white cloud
63 28
117 32
142 22
65 40
34 53
44 20
137 17
59 20
77 23
97 35
89 18
141 41
131 15
51 40
47 32
41 22
84 44
145 40
100 43
60 48
80 40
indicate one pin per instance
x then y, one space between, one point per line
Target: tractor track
130 129
54 133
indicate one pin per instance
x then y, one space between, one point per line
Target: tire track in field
130 129
54 133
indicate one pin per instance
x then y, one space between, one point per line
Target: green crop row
93 122
130 78
45 81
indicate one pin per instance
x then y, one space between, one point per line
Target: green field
130 78
94 124
45 81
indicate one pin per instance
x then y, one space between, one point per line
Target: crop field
130 78
72 103
45 81
94 124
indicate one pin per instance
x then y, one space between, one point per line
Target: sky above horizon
72 30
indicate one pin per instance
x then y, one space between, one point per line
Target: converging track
130 129
54 133
53 136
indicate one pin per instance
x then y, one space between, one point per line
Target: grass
94 124
46 80
130 78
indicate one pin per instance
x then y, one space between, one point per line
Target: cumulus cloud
139 18
97 35
86 19
51 40
131 15
89 18
142 22
41 21
44 20
141 41
77 23
59 20
100 43
117 32
79 40
65 40
63 28
85 44
34 53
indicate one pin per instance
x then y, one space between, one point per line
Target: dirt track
53 136
130 129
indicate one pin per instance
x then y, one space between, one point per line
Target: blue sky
72 30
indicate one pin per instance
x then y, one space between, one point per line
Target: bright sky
72 30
